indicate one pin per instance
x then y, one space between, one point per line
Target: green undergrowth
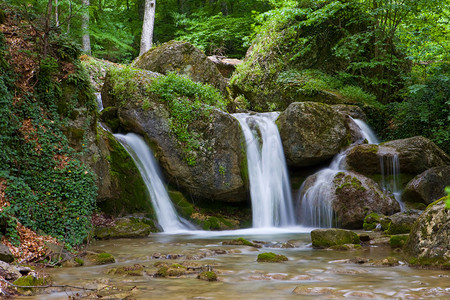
48 187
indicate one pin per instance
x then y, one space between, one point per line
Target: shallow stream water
317 274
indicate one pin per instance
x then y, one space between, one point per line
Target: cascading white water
315 202
99 101
269 182
390 180
143 157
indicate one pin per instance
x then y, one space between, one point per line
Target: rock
226 66
325 238
126 228
400 222
5 254
398 240
328 292
100 258
271 257
428 244
208 276
352 196
207 167
416 155
134 270
353 111
311 133
30 280
184 59
428 186
241 241
9 272
174 270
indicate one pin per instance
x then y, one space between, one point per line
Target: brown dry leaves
32 246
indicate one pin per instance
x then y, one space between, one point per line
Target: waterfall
390 180
99 101
143 157
315 202
269 182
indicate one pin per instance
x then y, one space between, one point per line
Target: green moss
29 280
394 228
324 238
271 257
434 263
184 207
240 241
79 261
371 221
175 270
135 270
208 276
103 259
397 241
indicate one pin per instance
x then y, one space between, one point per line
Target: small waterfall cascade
99 101
390 179
315 202
269 182
143 157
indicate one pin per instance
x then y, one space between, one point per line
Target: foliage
186 101
447 202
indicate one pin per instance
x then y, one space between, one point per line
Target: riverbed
310 272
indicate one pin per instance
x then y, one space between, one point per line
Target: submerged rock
311 133
184 59
325 238
428 186
428 244
208 276
126 228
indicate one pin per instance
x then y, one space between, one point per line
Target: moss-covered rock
207 276
30 280
182 58
428 244
325 238
100 258
174 270
134 270
397 241
241 241
271 257
129 227
311 133
401 222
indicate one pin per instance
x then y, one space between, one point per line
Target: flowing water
390 179
269 182
240 276
315 202
143 157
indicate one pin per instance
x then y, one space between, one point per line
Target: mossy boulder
184 59
207 276
30 280
174 270
271 257
400 222
241 241
428 244
428 186
325 238
100 258
5 254
351 196
311 133
204 162
415 155
398 240
129 227
134 270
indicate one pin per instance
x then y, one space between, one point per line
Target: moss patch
241 241
101 258
134 270
29 280
208 276
271 257
324 238
397 241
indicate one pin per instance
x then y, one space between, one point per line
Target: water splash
390 179
143 157
367 132
269 182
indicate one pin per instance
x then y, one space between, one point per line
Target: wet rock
5 254
416 155
325 238
134 270
400 222
353 111
182 58
100 258
428 244
9 272
428 186
125 228
352 196
316 291
174 270
271 257
398 240
208 276
311 133
226 66
241 241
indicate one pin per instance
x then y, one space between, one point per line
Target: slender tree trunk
70 16
86 40
47 24
147 27
56 13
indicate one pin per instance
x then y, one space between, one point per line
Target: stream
315 272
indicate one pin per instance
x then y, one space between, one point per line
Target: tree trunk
86 39
56 13
147 27
47 24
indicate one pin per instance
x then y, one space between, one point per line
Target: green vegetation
208 276
102 258
271 257
29 280
397 241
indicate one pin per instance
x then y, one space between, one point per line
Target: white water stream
315 203
143 157
269 182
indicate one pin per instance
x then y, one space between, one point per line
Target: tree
147 26
86 40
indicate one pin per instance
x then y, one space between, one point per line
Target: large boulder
311 133
325 238
428 186
428 244
208 164
184 59
351 197
415 155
